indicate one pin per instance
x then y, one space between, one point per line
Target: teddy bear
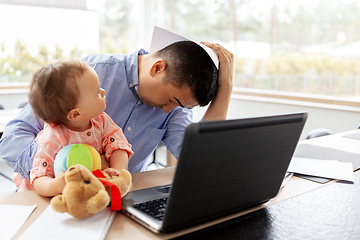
85 195
87 191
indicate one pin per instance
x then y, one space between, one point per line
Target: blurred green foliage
303 73
287 27
293 72
20 66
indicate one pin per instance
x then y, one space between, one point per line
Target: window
299 46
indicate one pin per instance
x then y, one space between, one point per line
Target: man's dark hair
189 65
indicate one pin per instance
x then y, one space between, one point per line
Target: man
149 96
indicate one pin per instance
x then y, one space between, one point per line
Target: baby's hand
104 164
112 172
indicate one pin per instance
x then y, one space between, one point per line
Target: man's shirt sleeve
173 137
17 145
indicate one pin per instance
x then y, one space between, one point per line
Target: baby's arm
42 174
119 159
116 147
48 186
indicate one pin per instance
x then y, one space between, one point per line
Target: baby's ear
74 115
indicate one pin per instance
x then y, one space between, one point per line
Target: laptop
223 167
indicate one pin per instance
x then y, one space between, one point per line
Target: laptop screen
229 165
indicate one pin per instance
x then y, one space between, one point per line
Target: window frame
299 99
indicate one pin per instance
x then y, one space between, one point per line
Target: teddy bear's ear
58 204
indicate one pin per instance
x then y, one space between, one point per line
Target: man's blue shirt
143 126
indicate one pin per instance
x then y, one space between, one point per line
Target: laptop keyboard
154 208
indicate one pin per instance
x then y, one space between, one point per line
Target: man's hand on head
219 106
226 64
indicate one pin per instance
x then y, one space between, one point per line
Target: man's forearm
218 108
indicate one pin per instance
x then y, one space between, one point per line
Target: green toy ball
73 154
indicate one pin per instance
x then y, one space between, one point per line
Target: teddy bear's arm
58 204
98 202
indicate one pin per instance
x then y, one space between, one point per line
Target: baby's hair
54 90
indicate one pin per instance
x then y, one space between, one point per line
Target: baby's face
92 100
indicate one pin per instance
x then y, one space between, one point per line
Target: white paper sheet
287 178
346 144
322 168
162 38
62 226
12 217
354 135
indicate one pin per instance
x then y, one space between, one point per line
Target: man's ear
74 115
158 67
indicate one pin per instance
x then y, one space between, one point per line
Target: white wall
334 120
11 99
244 107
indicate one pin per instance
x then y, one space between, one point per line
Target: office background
290 56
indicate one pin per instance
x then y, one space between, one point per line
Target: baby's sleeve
48 146
114 138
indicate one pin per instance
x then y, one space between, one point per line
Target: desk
329 212
302 209
125 228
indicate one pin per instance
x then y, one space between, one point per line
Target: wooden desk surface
125 228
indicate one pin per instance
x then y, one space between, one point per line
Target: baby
67 96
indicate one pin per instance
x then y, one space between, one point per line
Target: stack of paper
12 218
54 225
322 168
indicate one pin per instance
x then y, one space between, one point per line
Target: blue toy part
60 164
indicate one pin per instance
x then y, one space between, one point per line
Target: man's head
188 65
182 74
54 90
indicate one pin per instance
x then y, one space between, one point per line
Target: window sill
299 99
308 100
14 88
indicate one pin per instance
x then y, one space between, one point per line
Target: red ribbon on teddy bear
115 192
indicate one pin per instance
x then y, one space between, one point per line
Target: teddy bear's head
83 196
